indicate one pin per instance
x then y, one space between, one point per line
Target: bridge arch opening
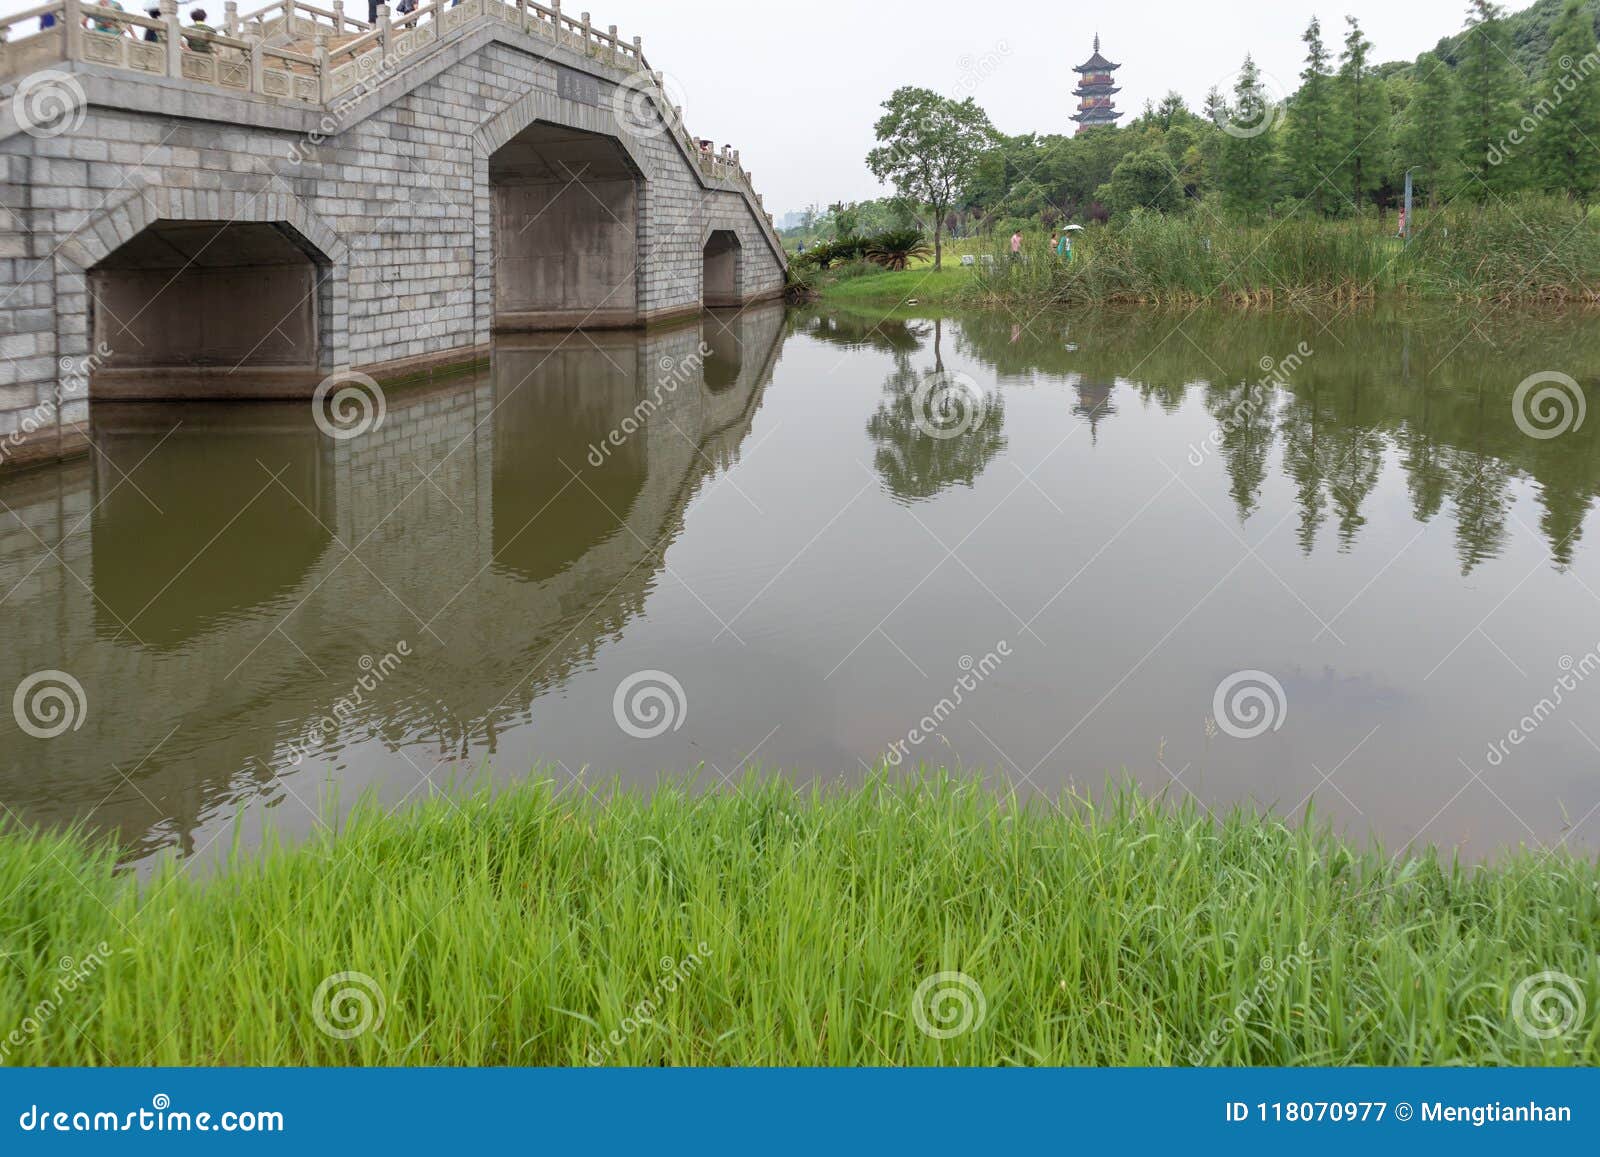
720 271
208 308
565 223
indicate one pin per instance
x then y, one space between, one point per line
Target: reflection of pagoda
1094 91
1094 403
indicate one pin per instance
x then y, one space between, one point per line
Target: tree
1171 111
1568 143
846 219
1488 109
1146 179
1312 144
1247 167
1429 135
929 148
1364 109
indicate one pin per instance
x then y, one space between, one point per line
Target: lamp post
1405 230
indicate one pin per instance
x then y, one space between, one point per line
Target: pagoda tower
1094 91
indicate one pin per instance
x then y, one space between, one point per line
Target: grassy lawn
922 921
928 287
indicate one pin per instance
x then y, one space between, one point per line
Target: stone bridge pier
309 195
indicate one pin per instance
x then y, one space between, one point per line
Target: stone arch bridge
301 193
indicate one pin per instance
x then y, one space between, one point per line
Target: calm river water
1252 558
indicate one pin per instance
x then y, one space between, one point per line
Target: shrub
896 248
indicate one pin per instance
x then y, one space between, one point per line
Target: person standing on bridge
109 27
197 21
151 35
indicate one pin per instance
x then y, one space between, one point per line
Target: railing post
3 31
338 17
587 32
638 54
173 37
72 26
320 51
385 36
612 34
522 15
555 21
257 65
230 23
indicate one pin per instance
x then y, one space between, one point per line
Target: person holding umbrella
1064 246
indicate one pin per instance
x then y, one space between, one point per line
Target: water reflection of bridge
196 574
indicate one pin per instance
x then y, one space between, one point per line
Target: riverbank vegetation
915 921
1523 250
1267 193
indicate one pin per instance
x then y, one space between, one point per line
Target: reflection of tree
1436 391
891 335
915 463
1243 414
1307 459
1479 484
1357 461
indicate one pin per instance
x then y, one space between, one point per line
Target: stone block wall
391 196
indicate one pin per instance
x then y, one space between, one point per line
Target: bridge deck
298 53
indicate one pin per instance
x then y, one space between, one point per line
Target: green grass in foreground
770 927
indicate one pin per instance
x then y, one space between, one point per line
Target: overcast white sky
797 86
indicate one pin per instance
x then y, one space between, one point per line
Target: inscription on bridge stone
578 86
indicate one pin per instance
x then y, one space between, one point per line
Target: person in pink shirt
1016 245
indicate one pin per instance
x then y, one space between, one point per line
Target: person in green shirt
109 27
197 21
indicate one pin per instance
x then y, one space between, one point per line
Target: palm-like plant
896 248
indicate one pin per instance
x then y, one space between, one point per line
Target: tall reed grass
770 926
1528 250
